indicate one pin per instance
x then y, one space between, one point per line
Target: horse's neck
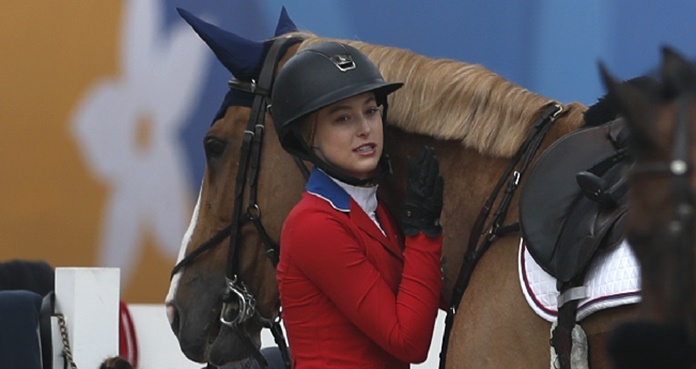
453 100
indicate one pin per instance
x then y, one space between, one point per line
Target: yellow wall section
50 204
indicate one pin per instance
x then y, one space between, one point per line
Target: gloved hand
421 211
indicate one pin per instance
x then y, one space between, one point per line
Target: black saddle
575 199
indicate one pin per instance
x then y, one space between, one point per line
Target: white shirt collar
365 197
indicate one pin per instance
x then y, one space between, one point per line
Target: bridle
238 304
678 168
679 233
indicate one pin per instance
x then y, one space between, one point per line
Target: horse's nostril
173 316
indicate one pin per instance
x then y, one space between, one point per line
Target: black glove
421 212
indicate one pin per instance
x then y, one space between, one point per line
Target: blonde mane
452 100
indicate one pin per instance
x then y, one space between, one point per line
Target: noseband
238 304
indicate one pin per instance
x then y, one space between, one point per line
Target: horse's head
661 222
223 288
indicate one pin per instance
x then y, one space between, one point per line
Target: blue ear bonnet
242 57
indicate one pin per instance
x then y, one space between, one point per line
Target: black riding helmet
318 76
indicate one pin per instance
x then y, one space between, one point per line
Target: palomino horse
475 119
661 218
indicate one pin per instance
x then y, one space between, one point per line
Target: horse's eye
214 147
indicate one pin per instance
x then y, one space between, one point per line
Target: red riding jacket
353 298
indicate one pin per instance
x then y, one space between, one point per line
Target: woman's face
348 134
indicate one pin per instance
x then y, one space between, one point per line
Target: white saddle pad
613 279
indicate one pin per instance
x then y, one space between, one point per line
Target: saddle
574 201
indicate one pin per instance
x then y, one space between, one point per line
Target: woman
355 293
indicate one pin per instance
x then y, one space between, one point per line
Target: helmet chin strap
383 167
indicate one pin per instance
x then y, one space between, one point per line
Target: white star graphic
127 129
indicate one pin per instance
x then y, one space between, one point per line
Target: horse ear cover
241 56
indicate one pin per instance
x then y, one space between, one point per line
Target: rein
477 247
238 304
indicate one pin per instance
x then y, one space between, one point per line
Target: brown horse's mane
452 100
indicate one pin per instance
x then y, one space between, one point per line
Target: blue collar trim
320 185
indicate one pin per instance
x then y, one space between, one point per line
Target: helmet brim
380 88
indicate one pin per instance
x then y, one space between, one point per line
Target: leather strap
476 249
562 339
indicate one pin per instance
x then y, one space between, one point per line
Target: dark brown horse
661 218
475 119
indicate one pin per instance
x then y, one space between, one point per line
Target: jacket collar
320 185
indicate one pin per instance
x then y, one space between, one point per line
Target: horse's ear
239 55
677 73
285 24
638 104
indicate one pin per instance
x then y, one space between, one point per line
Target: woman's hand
421 211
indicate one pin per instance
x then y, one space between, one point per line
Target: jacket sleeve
401 323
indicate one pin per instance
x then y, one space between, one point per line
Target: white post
89 300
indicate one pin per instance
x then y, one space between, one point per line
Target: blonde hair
308 127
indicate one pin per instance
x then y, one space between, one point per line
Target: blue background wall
551 47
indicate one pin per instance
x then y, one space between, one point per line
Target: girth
574 203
